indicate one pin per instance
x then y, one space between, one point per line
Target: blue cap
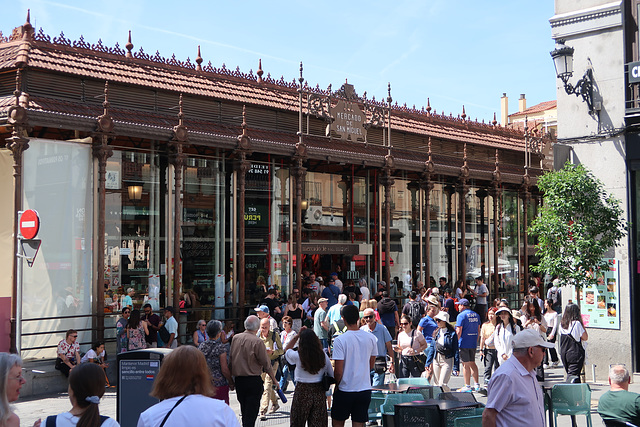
464 301
262 308
333 274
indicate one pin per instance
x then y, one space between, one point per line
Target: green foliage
578 223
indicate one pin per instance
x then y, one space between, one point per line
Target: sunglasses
73 336
403 323
367 317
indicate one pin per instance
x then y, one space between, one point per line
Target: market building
175 177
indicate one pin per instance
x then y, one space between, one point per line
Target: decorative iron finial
199 60
244 120
464 154
464 115
496 172
129 46
260 72
18 90
105 121
494 121
27 28
389 99
301 79
428 107
526 124
180 112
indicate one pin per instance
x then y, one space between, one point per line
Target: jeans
284 380
248 391
324 342
377 379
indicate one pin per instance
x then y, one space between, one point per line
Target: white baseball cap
530 338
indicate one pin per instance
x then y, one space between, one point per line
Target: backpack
336 334
414 312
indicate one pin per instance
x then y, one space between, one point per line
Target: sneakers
555 364
263 417
465 389
476 387
545 366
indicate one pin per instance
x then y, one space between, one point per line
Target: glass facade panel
58 185
135 229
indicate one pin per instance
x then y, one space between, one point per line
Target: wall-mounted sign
348 118
599 304
634 72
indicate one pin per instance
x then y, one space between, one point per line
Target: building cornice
583 21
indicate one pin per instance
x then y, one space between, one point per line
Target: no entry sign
29 224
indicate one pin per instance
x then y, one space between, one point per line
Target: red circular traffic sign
29 224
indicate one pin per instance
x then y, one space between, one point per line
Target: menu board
600 302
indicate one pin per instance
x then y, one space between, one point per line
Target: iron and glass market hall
183 181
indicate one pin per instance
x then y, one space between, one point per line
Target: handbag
326 381
164 334
418 359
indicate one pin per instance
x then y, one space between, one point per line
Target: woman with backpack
502 336
573 336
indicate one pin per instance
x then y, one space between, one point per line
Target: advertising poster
600 303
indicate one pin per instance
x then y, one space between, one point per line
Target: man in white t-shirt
353 384
171 324
481 298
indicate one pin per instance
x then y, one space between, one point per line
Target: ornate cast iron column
387 182
450 190
427 185
496 193
177 159
526 198
299 173
463 188
18 142
482 195
242 166
101 151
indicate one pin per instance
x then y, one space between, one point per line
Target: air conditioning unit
314 215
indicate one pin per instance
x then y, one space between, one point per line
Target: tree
578 223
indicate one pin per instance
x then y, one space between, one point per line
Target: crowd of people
332 332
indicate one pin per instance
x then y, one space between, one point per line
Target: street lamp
563 61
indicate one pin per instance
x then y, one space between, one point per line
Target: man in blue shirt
331 292
468 329
427 324
384 346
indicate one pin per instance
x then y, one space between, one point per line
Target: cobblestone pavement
30 409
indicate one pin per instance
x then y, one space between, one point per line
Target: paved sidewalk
30 409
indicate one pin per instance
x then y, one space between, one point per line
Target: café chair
472 421
459 396
388 409
571 399
418 381
377 399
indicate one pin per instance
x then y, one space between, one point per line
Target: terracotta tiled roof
538 108
61 55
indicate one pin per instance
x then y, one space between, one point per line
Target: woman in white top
573 337
502 336
551 317
411 345
86 387
286 336
311 364
185 390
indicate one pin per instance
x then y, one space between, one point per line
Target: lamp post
563 61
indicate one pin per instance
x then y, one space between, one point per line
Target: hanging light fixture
563 61
135 192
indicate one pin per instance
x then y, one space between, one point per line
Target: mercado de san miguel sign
348 119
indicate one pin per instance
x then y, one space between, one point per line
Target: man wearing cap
320 323
337 281
514 396
468 328
171 324
263 313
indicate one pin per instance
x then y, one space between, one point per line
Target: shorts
467 354
353 403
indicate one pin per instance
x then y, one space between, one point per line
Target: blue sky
455 52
